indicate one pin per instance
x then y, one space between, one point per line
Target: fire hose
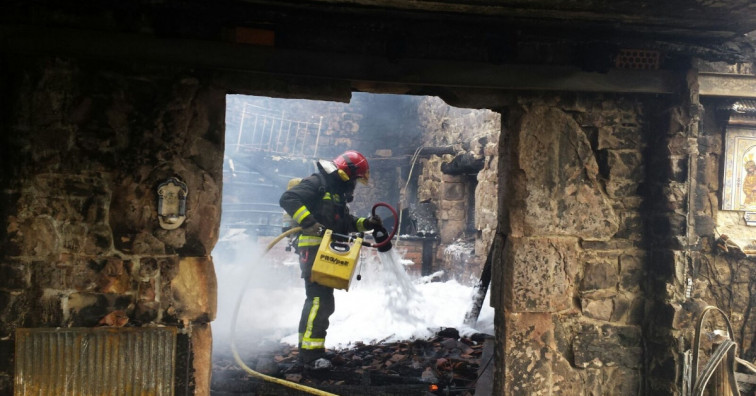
385 242
272 243
396 224
235 352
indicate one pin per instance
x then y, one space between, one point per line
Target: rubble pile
409 367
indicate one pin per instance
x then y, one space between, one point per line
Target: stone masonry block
600 309
36 237
678 145
46 275
148 268
618 138
453 210
631 271
15 276
621 381
600 275
13 310
72 236
98 240
529 353
194 290
625 172
112 276
202 350
631 225
556 180
88 309
451 230
454 191
540 273
708 169
608 345
710 144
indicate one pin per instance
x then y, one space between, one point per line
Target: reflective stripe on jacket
310 201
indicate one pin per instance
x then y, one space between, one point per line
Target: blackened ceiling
380 39
708 28
722 18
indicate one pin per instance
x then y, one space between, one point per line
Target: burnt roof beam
218 55
727 85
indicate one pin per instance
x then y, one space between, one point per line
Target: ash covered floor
451 362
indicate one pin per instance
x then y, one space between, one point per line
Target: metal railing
269 131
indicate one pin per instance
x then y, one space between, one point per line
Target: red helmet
351 164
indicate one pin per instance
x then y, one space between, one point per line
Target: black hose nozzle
381 236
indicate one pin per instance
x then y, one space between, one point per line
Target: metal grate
268 131
638 59
95 361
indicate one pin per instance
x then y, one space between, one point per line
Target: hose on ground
234 351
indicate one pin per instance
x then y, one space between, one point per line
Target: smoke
267 288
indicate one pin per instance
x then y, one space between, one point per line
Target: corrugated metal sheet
95 361
742 106
745 106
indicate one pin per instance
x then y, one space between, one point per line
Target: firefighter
317 203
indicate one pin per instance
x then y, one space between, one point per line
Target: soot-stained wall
85 147
602 209
591 194
90 144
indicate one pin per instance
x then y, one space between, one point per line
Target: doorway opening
424 159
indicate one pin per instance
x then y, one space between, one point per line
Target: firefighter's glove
316 229
381 235
373 223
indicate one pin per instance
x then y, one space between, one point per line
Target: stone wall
569 277
85 147
722 276
691 262
590 283
473 132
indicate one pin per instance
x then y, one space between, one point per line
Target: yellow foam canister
335 262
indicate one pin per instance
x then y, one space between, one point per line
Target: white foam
386 304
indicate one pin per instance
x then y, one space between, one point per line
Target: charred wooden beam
442 150
428 252
730 85
481 288
218 55
464 164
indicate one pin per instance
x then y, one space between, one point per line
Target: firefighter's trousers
318 307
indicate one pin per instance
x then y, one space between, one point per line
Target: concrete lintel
218 55
729 85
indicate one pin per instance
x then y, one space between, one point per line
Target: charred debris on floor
448 360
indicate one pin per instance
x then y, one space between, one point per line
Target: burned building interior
596 157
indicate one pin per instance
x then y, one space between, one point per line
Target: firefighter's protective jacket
321 198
